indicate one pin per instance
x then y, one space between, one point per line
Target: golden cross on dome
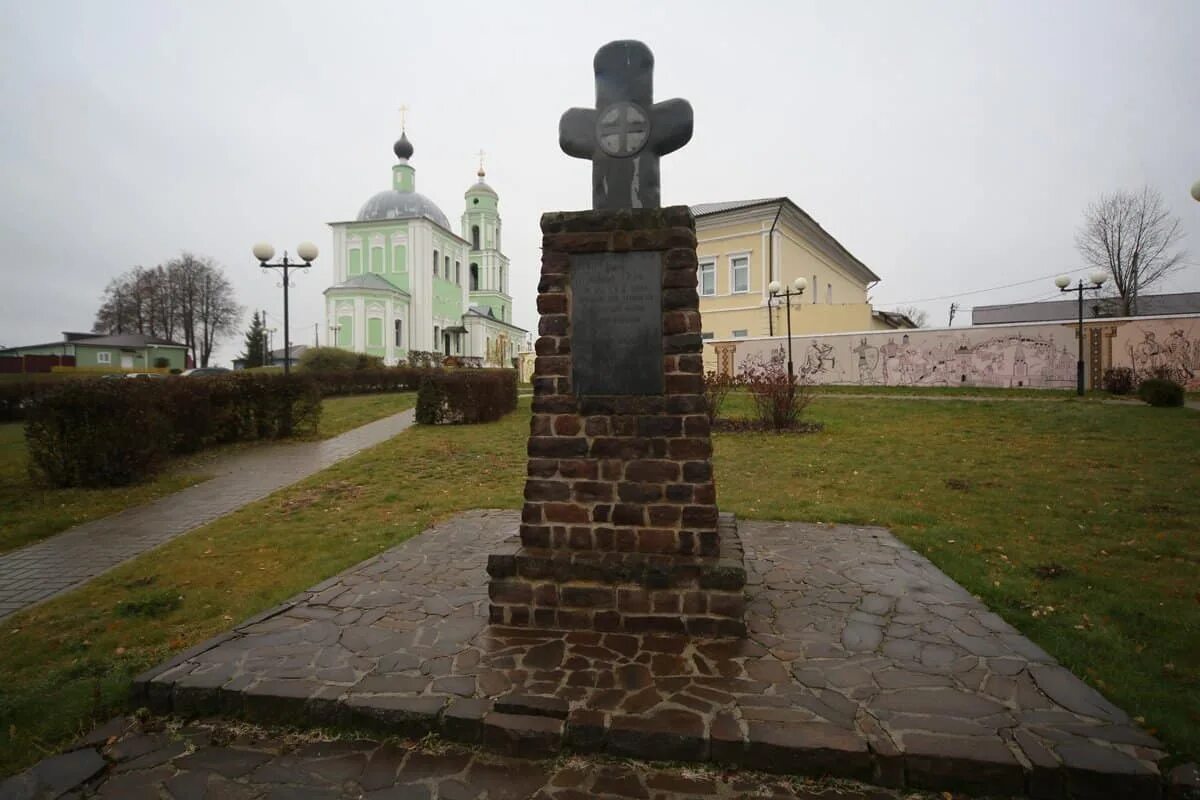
403 115
481 155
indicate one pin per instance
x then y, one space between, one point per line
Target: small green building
124 351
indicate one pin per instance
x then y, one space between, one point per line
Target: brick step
523 735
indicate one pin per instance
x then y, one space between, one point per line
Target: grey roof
893 319
482 186
368 281
105 340
486 311
1148 305
731 205
391 204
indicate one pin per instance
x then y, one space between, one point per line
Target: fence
33 363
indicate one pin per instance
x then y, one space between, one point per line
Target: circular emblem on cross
622 129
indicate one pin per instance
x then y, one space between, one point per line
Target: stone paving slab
131 760
40 571
863 661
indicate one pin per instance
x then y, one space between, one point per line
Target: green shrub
162 362
424 359
779 398
1161 392
111 433
335 359
1119 380
371 381
17 398
466 396
97 433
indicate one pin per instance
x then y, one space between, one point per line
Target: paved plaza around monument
863 661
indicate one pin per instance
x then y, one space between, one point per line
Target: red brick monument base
620 529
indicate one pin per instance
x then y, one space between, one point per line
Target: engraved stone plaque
616 323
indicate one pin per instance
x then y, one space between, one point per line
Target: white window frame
740 333
733 259
707 265
103 357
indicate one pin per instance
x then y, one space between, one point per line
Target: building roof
390 204
825 239
104 340
368 281
486 312
732 205
893 319
1149 305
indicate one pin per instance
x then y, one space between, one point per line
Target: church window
374 332
435 263
399 332
829 293
739 269
815 285
458 273
103 357
435 336
706 335
740 333
502 279
474 277
446 274
356 262
474 237
708 277
376 259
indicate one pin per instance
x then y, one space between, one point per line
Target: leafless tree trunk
1133 238
919 317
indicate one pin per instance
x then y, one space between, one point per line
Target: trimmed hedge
112 433
373 381
1161 392
18 397
467 396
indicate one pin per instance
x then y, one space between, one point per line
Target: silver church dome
391 204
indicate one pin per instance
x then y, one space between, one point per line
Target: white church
405 281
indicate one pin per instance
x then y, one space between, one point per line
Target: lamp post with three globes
264 253
795 290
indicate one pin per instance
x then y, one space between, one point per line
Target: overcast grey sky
951 146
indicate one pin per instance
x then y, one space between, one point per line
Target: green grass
1109 493
340 414
29 513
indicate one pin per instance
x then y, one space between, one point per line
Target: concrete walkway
40 571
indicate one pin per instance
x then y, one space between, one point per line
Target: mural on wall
1034 355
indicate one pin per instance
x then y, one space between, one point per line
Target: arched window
829 293
475 276
502 279
474 237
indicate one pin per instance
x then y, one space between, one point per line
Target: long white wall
1038 355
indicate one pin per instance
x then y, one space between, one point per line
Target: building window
814 287
103 357
458 272
355 266
708 278
374 332
706 335
829 293
740 333
446 274
474 277
739 274
399 328
435 263
474 237
502 279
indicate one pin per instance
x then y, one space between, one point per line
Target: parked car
203 372
151 375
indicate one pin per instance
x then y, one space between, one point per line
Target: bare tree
919 317
1133 238
189 298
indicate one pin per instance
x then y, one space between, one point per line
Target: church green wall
447 299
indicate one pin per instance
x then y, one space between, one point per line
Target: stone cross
627 132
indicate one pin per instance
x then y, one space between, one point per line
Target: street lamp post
334 330
264 253
795 290
1064 285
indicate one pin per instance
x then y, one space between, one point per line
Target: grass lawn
991 492
29 513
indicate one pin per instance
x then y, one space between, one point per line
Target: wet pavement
863 662
40 571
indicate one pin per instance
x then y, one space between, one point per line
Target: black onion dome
403 147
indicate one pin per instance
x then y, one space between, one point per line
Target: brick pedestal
620 530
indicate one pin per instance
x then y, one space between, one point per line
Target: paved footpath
61 563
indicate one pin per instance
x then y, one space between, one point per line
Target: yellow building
744 245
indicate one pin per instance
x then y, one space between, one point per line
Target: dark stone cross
627 132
